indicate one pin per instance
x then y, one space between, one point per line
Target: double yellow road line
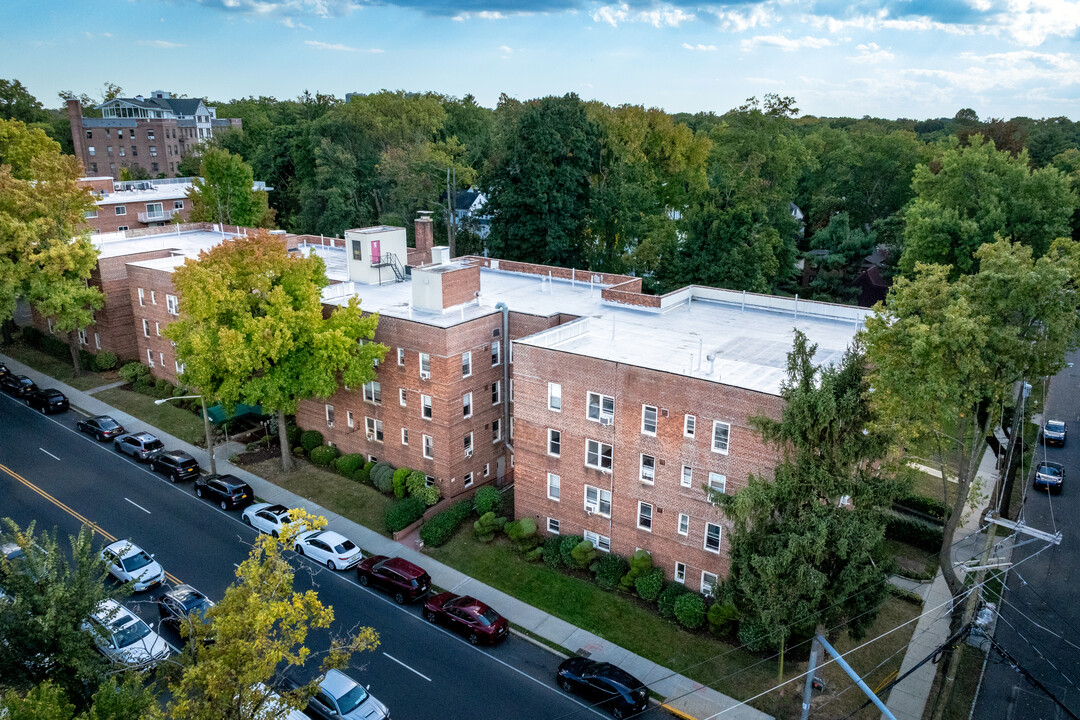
72 512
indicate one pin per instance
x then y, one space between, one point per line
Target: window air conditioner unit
371 436
606 419
425 375
468 452
589 512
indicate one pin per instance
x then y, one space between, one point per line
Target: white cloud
161 44
1032 22
743 20
292 8
785 43
658 17
98 35
871 53
611 15
290 23
319 45
699 46
484 15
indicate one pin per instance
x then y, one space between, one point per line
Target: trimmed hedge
665 604
398 481
567 543
439 529
417 485
382 477
133 371
582 555
690 610
552 552
609 570
324 455
523 534
650 584
310 439
926 505
105 360
404 513
640 563
486 527
487 499
349 465
914 532
722 617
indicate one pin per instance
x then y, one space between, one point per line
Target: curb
537 643
676 713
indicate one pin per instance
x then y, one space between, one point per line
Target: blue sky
888 58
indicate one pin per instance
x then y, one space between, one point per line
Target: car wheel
364 580
299 549
247 520
429 615
224 505
565 685
198 491
474 638
399 598
330 564
101 438
618 713
274 533
175 478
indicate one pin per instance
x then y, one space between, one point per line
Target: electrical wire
1038 651
1041 627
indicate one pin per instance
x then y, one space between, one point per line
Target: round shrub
416 483
397 482
429 494
132 371
403 473
105 360
665 604
382 477
609 570
486 527
650 584
163 389
534 555
143 385
566 549
487 499
690 610
552 554
310 439
722 617
523 534
349 465
404 513
292 435
323 455
298 451
439 529
583 555
640 563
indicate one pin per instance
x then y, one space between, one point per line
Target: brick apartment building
152 133
136 204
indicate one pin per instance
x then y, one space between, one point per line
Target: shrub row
439 529
926 505
404 513
914 532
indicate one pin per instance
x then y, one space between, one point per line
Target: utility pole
808 689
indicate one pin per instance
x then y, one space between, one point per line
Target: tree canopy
224 193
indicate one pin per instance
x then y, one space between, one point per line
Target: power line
1029 677
1041 627
1037 651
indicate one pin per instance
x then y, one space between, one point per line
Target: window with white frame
487 469
600 542
496 431
403 397
157 328
598 455
708 582
648 469
161 358
555 397
510 391
511 428
179 367
121 227
648 420
90 214
680 572
149 357
554 443
684 524
466 364
142 297
425 364
689 425
496 392
401 357
644 516
717 482
496 353
429 447
425 407
349 418
145 327
374 429
553 526
329 415
598 500
687 479
172 304
468 479
177 204
404 436
554 486
153 297
712 537
468 444
121 210
97 341
466 404
83 338
49 321
601 408
721 433
373 392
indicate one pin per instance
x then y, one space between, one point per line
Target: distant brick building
152 133
136 204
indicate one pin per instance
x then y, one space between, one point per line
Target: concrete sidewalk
685 696
907 700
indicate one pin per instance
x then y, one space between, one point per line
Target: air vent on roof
495 332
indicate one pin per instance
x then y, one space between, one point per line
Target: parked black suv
183 605
228 491
102 427
177 464
138 445
47 400
605 685
17 385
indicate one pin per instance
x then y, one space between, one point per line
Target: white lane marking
138 506
48 453
406 666
236 565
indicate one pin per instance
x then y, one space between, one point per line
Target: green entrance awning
218 415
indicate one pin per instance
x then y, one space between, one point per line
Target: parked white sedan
332 549
267 518
130 563
125 639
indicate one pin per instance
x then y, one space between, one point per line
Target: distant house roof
878 259
465 199
181 106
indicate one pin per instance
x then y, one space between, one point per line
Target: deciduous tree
225 192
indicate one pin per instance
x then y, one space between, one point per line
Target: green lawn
359 503
56 368
168 417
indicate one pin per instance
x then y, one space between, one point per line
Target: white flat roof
748 335
187 242
162 192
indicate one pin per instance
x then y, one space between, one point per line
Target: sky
883 58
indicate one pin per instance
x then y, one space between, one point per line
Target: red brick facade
106 218
154 304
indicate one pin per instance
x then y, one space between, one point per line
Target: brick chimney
74 111
425 238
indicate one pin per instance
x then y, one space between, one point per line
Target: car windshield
137 561
107 423
128 634
345 547
488 617
198 607
352 699
1050 470
154 445
1055 426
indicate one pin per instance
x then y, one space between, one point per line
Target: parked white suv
124 638
130 563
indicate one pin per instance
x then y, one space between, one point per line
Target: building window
496 353
496 431
120 209
601 408
554 487
466 405
91 214
555 397
487 469
598 455
510 390
598 501
648 469
83 338
401 357
425 407
109 150
145 327
157 329
349 418
150 134
712 537
689 425
121 228
648 420
149 357
468 479
402 397
708 582
680 572
177 204
554 443
173 304
89 134
425 366
153 151
496 392
134 150
142 298
721 432
717 482
684 524
91 150
404 436
687 479
123 151
644 516
553 526
179 367
154 166
329 415
429 447
466 364
600 542
93 167
373 392
153 298
374 429
161 356
97 341
468 444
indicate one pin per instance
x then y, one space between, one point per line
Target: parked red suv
397 576
467 616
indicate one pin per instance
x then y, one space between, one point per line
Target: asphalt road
1039 624
418 670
